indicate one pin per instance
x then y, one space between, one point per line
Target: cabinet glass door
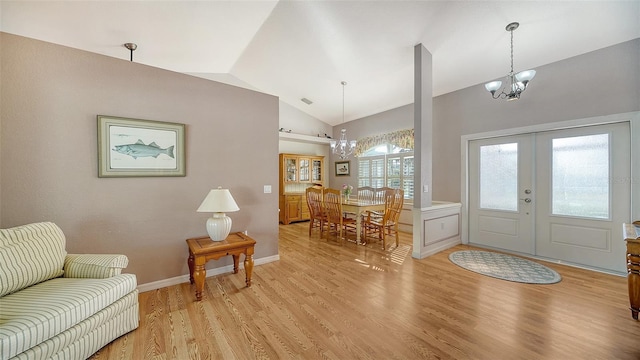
316 172
291 169
305 170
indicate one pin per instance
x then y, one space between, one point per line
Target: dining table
359 207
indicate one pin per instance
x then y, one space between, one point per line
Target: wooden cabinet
298 172
300 169
632 238
296 169
291 208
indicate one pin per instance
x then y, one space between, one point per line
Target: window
499 177
387 165
581 176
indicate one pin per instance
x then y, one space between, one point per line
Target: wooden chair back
393 199
334 215
332 206
381 194
393 207
314 201
316 212
366 193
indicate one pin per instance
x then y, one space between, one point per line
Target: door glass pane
499 177
291 169
581 176
317 170
304 170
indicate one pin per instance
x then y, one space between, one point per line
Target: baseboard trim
211 272
437 247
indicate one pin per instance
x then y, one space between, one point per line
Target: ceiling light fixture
343 147
515 83
131 47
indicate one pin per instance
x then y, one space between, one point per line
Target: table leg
633 280
236 261
199 274
358 224
190 263
248 267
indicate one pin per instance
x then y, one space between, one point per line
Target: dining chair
388 223
332 204
365 193
316 212
381 193
379 196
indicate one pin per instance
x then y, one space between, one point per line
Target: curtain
400 138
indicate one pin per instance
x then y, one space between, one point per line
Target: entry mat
505 267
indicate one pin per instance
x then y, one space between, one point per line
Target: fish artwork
139 149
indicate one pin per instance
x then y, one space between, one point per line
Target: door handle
527 200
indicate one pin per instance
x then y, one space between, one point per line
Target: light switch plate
267 189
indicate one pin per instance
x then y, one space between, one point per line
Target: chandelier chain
343 147
512 51
343 84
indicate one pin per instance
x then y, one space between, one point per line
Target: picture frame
139 148
343 168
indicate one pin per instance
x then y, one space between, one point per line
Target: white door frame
634 122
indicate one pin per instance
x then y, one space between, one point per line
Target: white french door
584 175
501 174
560 194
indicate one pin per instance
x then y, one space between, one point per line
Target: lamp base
218 226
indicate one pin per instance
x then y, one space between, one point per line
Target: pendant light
515 83
343 147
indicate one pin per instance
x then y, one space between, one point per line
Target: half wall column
423 124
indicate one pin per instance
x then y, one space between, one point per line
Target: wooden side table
632 238
203 249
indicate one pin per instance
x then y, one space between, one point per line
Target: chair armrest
95 266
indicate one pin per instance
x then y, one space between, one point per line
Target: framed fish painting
134 147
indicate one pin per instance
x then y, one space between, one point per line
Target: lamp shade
493 86
218 201
525 76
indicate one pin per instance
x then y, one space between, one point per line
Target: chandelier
343 147
515 83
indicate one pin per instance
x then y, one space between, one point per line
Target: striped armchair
55 305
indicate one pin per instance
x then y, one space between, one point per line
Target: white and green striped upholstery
30 254
46 316
95 266
84 339
56 313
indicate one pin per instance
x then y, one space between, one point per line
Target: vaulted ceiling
304 49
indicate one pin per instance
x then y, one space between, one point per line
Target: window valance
400 138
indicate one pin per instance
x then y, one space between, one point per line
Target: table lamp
219 201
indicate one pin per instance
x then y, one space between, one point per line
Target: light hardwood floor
327 301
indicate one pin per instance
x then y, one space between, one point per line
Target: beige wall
50 97
602 82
